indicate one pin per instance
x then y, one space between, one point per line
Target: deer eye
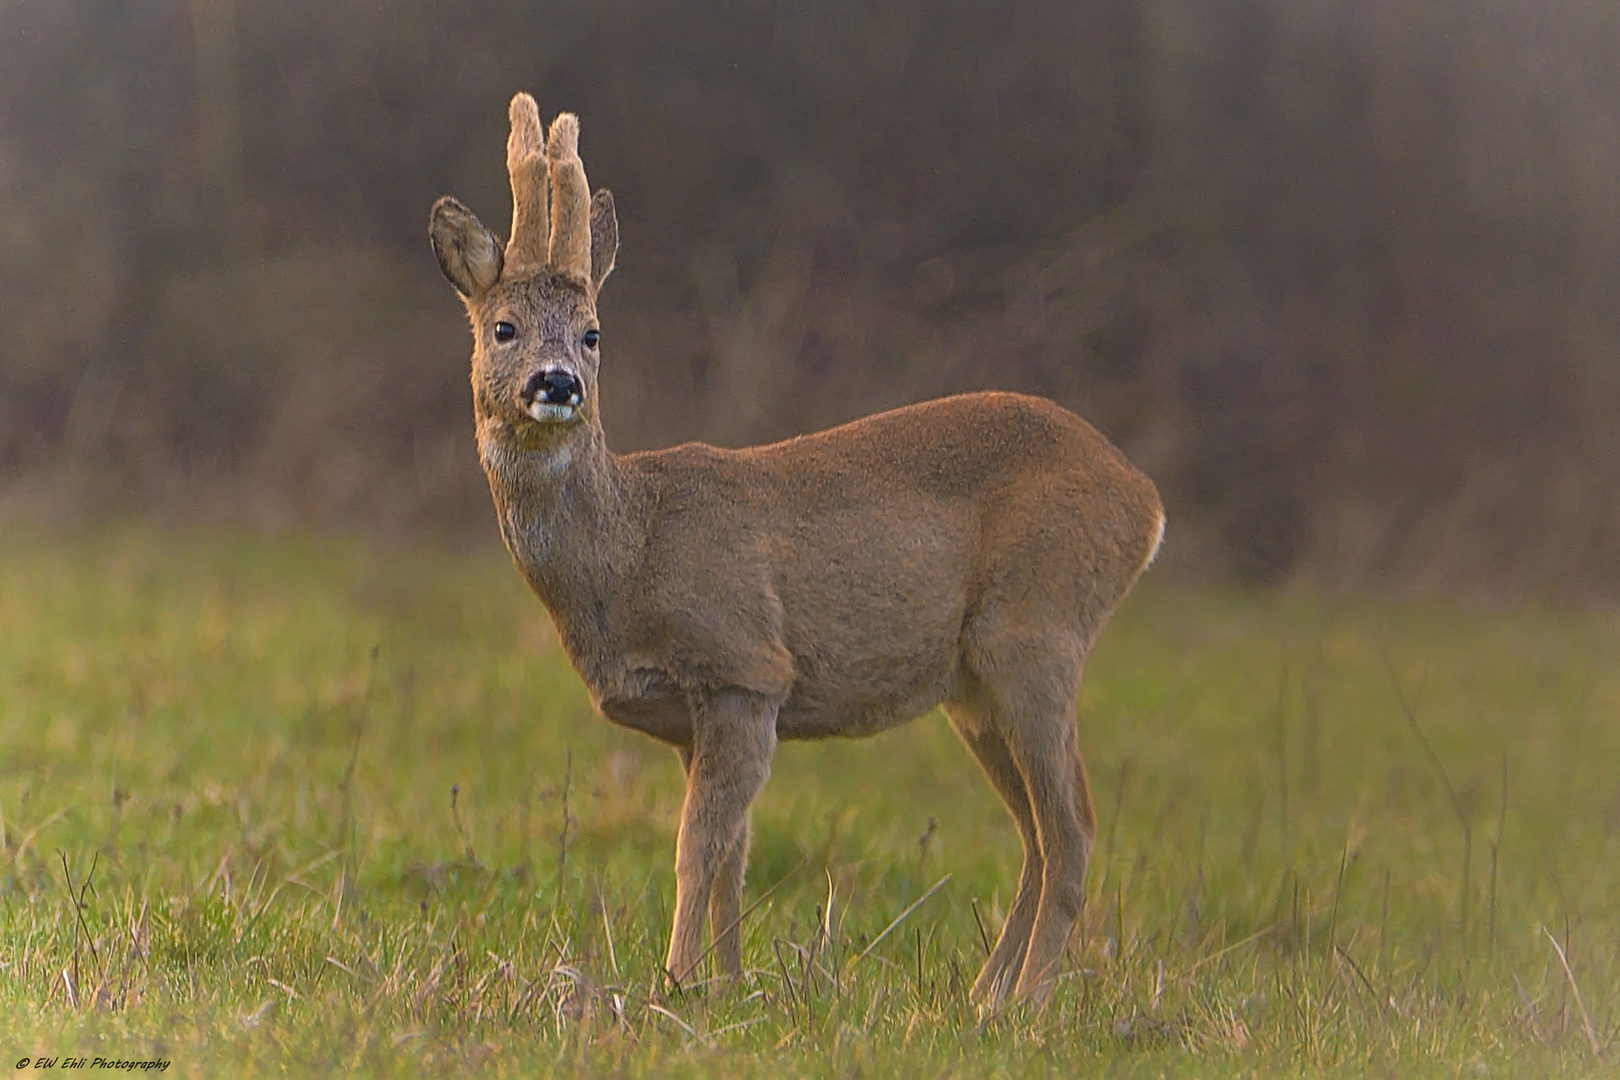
505 331
592 337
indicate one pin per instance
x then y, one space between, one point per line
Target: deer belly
865 702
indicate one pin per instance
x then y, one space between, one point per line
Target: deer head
533 304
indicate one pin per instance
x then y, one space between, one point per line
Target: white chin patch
552 414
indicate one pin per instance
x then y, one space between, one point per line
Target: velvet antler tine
526 163
570 250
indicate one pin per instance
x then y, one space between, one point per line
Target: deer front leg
726 896
733 738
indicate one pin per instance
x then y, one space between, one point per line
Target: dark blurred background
1341 275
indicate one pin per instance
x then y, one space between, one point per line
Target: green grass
339 810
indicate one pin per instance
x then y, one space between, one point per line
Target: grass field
288 808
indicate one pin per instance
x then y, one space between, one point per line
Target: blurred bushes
1338 273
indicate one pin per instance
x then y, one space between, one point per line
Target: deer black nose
555 387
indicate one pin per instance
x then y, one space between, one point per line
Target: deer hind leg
725 907
1050 761
1033 709
734 735
1006 960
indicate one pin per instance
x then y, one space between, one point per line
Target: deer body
964 552
846 575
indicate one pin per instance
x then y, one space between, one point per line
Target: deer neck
566 514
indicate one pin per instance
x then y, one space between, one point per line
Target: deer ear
468 253
604 236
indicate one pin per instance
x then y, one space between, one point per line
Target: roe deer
964 552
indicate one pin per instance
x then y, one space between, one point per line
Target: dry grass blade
672 1018
1586 1018
78 898
341 966
978 921
824 936
1361 976
1214 956
900 918
607 932
461 827
283 987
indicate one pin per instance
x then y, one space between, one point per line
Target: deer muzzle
553 395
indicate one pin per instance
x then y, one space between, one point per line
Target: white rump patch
1158 542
